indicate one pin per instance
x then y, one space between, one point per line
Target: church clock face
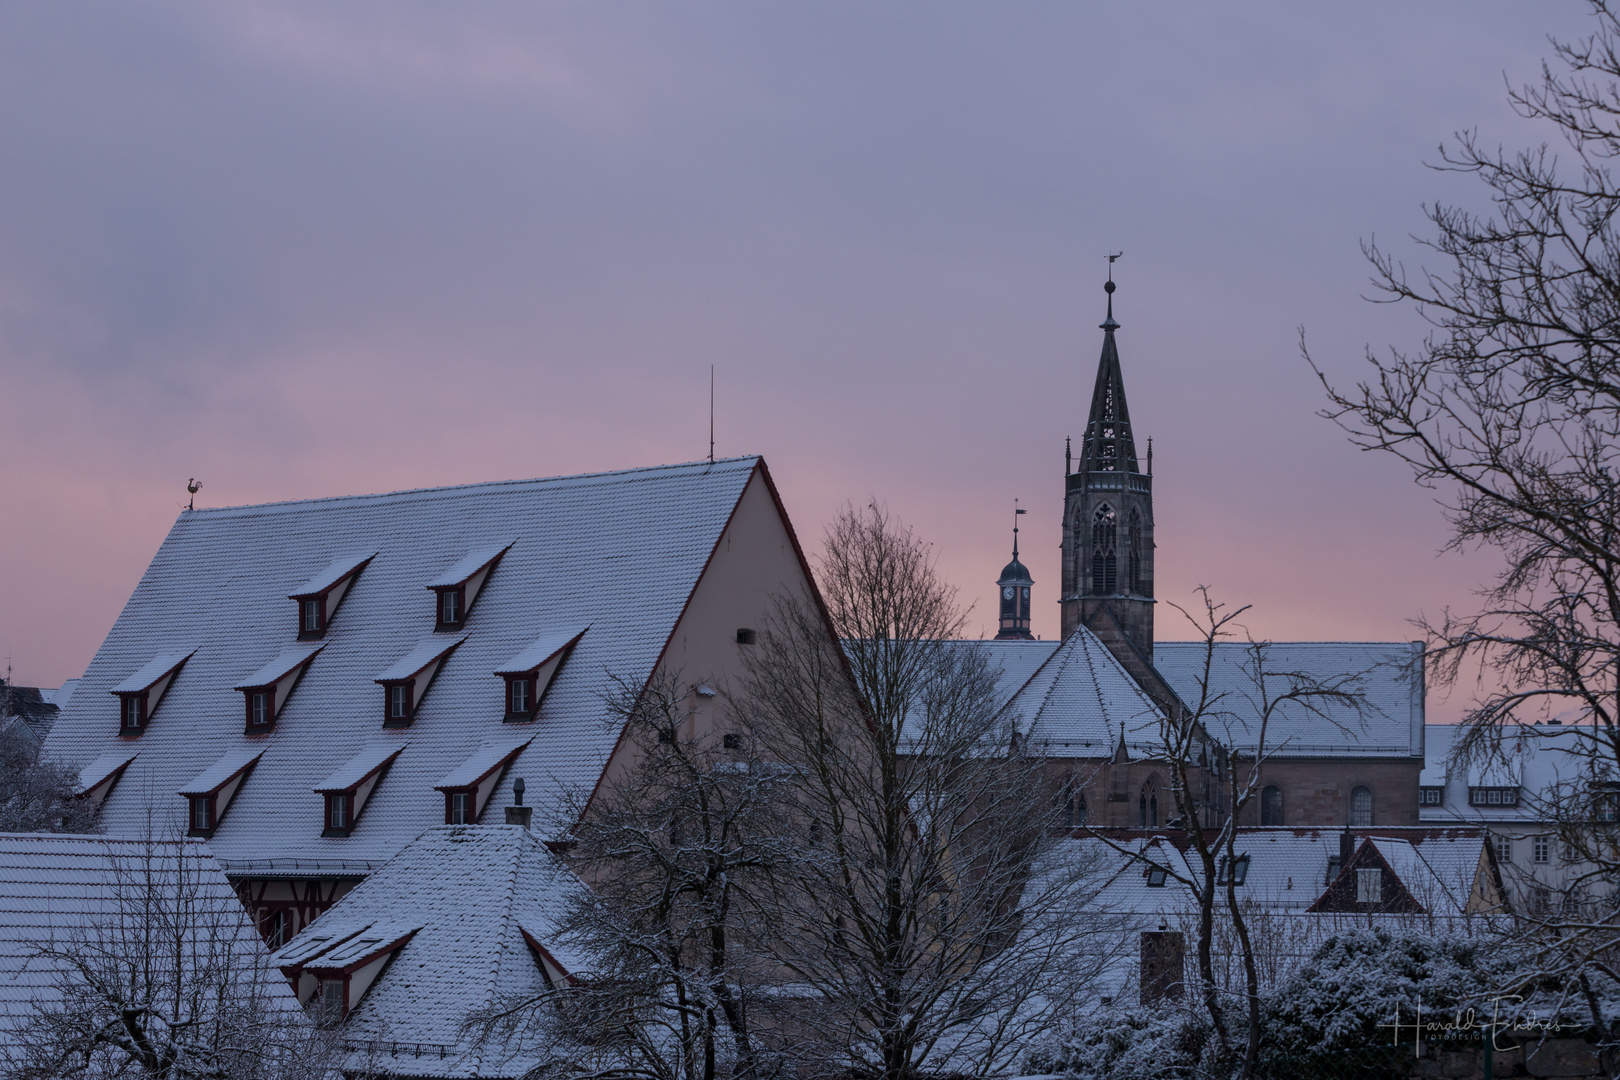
1007 593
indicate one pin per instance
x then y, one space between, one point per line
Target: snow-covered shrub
1362 978
1130 1046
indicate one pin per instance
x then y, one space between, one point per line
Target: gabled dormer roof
334 574
619 552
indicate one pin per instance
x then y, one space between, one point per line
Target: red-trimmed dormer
333 973
97 779
456 590
265 692
138 695
319 597
406 681
468 787
210 793
347 790
529 674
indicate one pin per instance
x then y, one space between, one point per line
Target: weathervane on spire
1109 323
1016 512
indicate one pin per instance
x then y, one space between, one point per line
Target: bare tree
163 977
928 922
37 795
1215 748
673 848
1510 410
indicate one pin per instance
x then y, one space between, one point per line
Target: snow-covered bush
1360 979
1161 1044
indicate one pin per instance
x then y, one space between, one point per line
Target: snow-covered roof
1078 702
483 761
104 766
621 552
216 775
59 887
539 650
335 571
427 650
367 761
152 671
468 565
1536 759
1016 661
273 671
1439 873
469 893
1389 674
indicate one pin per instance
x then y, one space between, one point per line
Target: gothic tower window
1104 551
1361 812
1148 805
1133 536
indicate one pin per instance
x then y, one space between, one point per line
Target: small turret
1014 584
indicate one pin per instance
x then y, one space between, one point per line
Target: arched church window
1148 805
1134 539
1361 815
1104 551
1074 804
1271 806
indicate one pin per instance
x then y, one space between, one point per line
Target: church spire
1108 445
1014 584
1108 518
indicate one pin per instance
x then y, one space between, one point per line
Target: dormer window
457 589
212 791
467 789
138 695
407 680
265 692
346 792
319 597
450 607
530 673
97 779
331 972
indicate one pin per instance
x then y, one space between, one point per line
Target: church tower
1014 584
1108 518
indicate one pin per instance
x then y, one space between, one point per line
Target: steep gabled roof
472 898
620 552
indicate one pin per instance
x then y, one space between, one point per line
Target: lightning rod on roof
193 485
711 414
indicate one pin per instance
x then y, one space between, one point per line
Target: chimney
517 813
1347 846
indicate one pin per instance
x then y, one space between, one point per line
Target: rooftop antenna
711 414
193 485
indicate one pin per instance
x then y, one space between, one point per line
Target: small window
458 808
1156 876
1431 796
746 636
274 930
1361 808
451 609
1541 849
259 708
132 711
399 702
337 814
1503 846
1332 870
731 741
522 697
1567 852
202 814
1369 886
1541 899
1239 871
312 622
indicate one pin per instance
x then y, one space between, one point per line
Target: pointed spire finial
1109 324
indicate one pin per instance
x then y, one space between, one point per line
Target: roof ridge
507 900
642 470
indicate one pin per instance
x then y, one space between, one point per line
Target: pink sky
297 251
